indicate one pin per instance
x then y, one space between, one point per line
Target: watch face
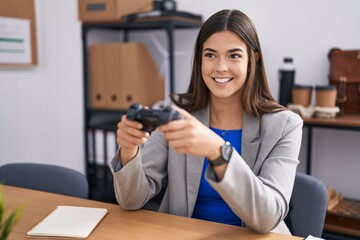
226 151
169 5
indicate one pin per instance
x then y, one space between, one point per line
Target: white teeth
222 80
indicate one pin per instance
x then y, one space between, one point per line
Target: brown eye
235 56
209 55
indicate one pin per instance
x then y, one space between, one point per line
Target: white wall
41 108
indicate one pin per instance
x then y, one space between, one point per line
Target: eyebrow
230 50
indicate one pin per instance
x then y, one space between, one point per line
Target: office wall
41 108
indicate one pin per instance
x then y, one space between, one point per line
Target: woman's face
224 65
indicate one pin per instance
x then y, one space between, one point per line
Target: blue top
209 204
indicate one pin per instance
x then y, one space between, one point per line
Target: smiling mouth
222 80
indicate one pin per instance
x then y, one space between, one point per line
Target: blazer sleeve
142 178
261 200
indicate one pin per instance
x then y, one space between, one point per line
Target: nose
221 65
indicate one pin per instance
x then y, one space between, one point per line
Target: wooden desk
346 122
120 224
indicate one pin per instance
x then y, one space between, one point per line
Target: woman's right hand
129 136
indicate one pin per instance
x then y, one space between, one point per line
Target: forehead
225 39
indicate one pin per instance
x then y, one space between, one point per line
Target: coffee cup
326 96
301 95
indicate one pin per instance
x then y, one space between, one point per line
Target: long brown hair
256 98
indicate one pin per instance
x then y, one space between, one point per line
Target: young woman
233 157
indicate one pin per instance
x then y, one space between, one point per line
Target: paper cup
301 95
325 96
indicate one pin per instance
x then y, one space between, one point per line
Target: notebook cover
69 222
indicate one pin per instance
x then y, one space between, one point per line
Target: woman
233 157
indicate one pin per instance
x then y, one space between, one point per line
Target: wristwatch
169 5
225 155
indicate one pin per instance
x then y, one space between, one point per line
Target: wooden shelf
351 121
344 217
337 220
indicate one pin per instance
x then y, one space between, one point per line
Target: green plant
7 220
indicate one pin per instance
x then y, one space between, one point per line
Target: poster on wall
15 41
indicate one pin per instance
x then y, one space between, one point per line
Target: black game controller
151 118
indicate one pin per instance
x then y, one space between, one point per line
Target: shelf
107 120
345 122
101 183
344 217
147 23
351 122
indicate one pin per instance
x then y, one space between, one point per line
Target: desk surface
122 224
352 121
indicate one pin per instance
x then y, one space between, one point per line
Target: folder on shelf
69 222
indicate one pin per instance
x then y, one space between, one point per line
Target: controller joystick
152 118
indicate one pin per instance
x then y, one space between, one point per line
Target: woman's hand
129 137
190 136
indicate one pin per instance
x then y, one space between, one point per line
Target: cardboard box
122 74
110 10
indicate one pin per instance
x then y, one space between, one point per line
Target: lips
222 80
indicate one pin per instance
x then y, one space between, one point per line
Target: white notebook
69 222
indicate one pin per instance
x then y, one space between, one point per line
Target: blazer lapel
250 140
194 166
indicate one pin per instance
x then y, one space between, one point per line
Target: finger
128 140
179 132
130 128
133 132
130 123
174 125
127 135
183 112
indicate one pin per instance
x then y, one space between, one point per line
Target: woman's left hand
190 136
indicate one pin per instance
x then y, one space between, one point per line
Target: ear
257 56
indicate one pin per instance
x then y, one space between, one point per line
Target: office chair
308 206
45 177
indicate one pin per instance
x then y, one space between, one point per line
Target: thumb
183 112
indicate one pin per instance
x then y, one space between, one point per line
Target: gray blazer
257 185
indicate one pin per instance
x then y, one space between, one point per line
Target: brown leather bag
344 73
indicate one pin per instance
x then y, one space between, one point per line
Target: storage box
122 74
110 10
